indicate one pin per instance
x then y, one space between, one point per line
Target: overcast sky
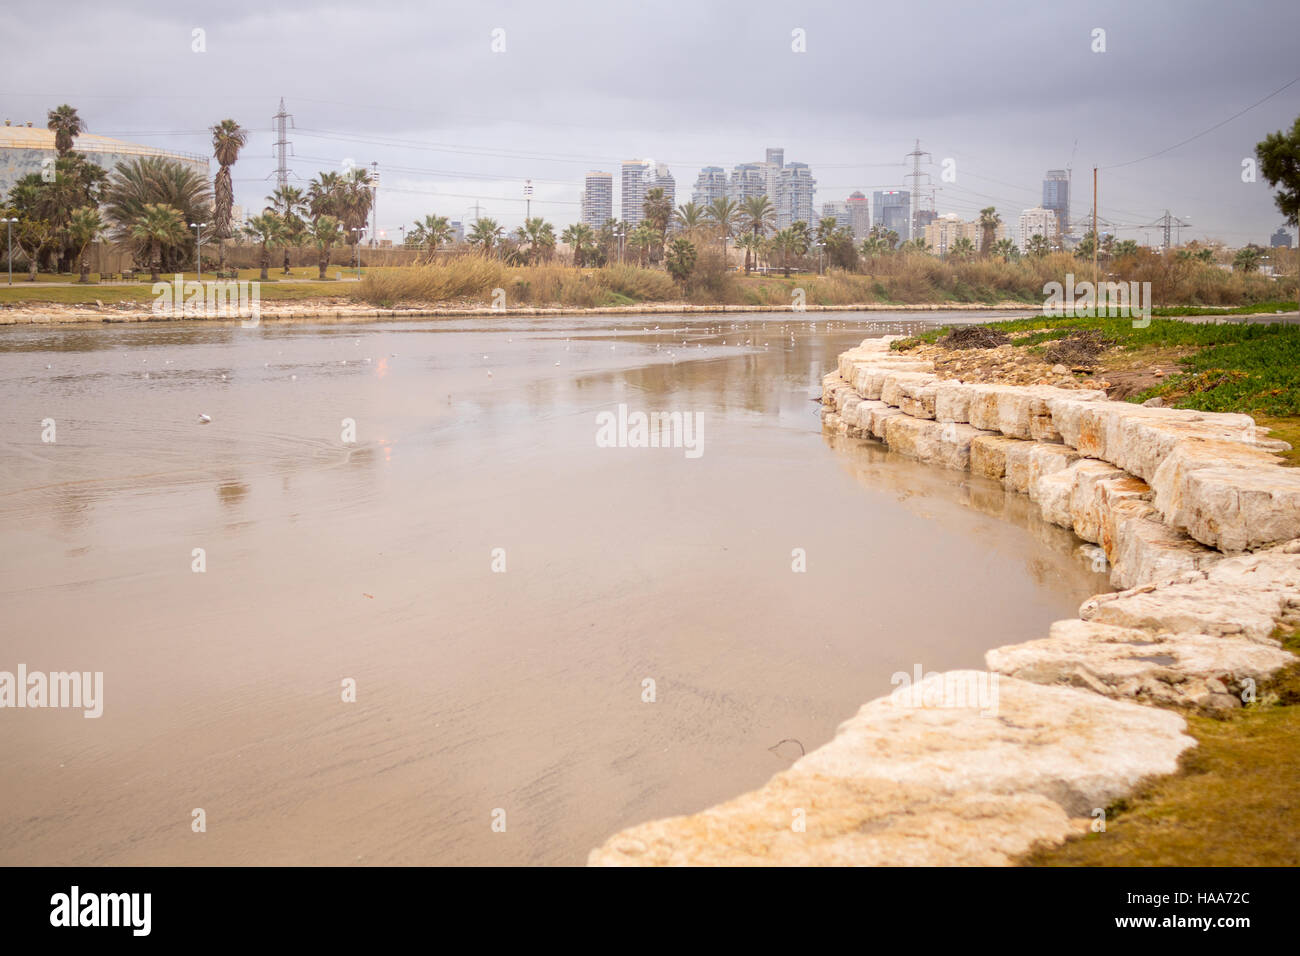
1005 89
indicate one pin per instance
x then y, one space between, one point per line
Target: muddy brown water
477 689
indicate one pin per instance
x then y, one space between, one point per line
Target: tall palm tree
324 234
690 217
760 216
84 228
723 214
989 222
67 125
486 235
752 244
788 242
228 138
538 234
289 203
267 229
324 195
158 226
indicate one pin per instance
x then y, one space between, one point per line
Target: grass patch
142 293
1235 800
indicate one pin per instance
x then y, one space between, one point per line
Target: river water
504 593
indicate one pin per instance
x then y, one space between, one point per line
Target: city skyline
515 117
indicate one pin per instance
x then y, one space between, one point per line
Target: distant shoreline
83 314
327 311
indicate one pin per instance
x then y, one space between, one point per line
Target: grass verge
1235 800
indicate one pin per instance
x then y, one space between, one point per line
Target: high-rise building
1038 221
1280 239
711 184
776 156
893 210
632 201
597 199
859 215
457 231
663 179
840 212
1056 196
795 192
747 181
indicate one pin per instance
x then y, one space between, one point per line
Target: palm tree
158 226
486 235
289 204
433 232
724 215
789 242
323 195
539 234
989 222
157 181
581 239
324 233
962 249
355 198
759 216
1037 246
269 230
228 138
752 244
67 125
643 237
690 217
84 228
1006 250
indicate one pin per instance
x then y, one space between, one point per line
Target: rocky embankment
1199 525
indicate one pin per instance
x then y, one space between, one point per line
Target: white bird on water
204 419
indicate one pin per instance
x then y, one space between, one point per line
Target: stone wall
1200 526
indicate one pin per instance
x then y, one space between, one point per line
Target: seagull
557 364
204 419
489 373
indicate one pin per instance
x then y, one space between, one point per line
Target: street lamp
9 224
198 247
528 200
357 246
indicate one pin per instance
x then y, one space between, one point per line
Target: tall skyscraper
775 156
1280 239
598 199
893 211
747 180
663 179
711 184
632 201
859 215
795 193
1056 196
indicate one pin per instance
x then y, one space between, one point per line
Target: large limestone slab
938 785
1247 597
1229 507
1183 668
846 823
1072 746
